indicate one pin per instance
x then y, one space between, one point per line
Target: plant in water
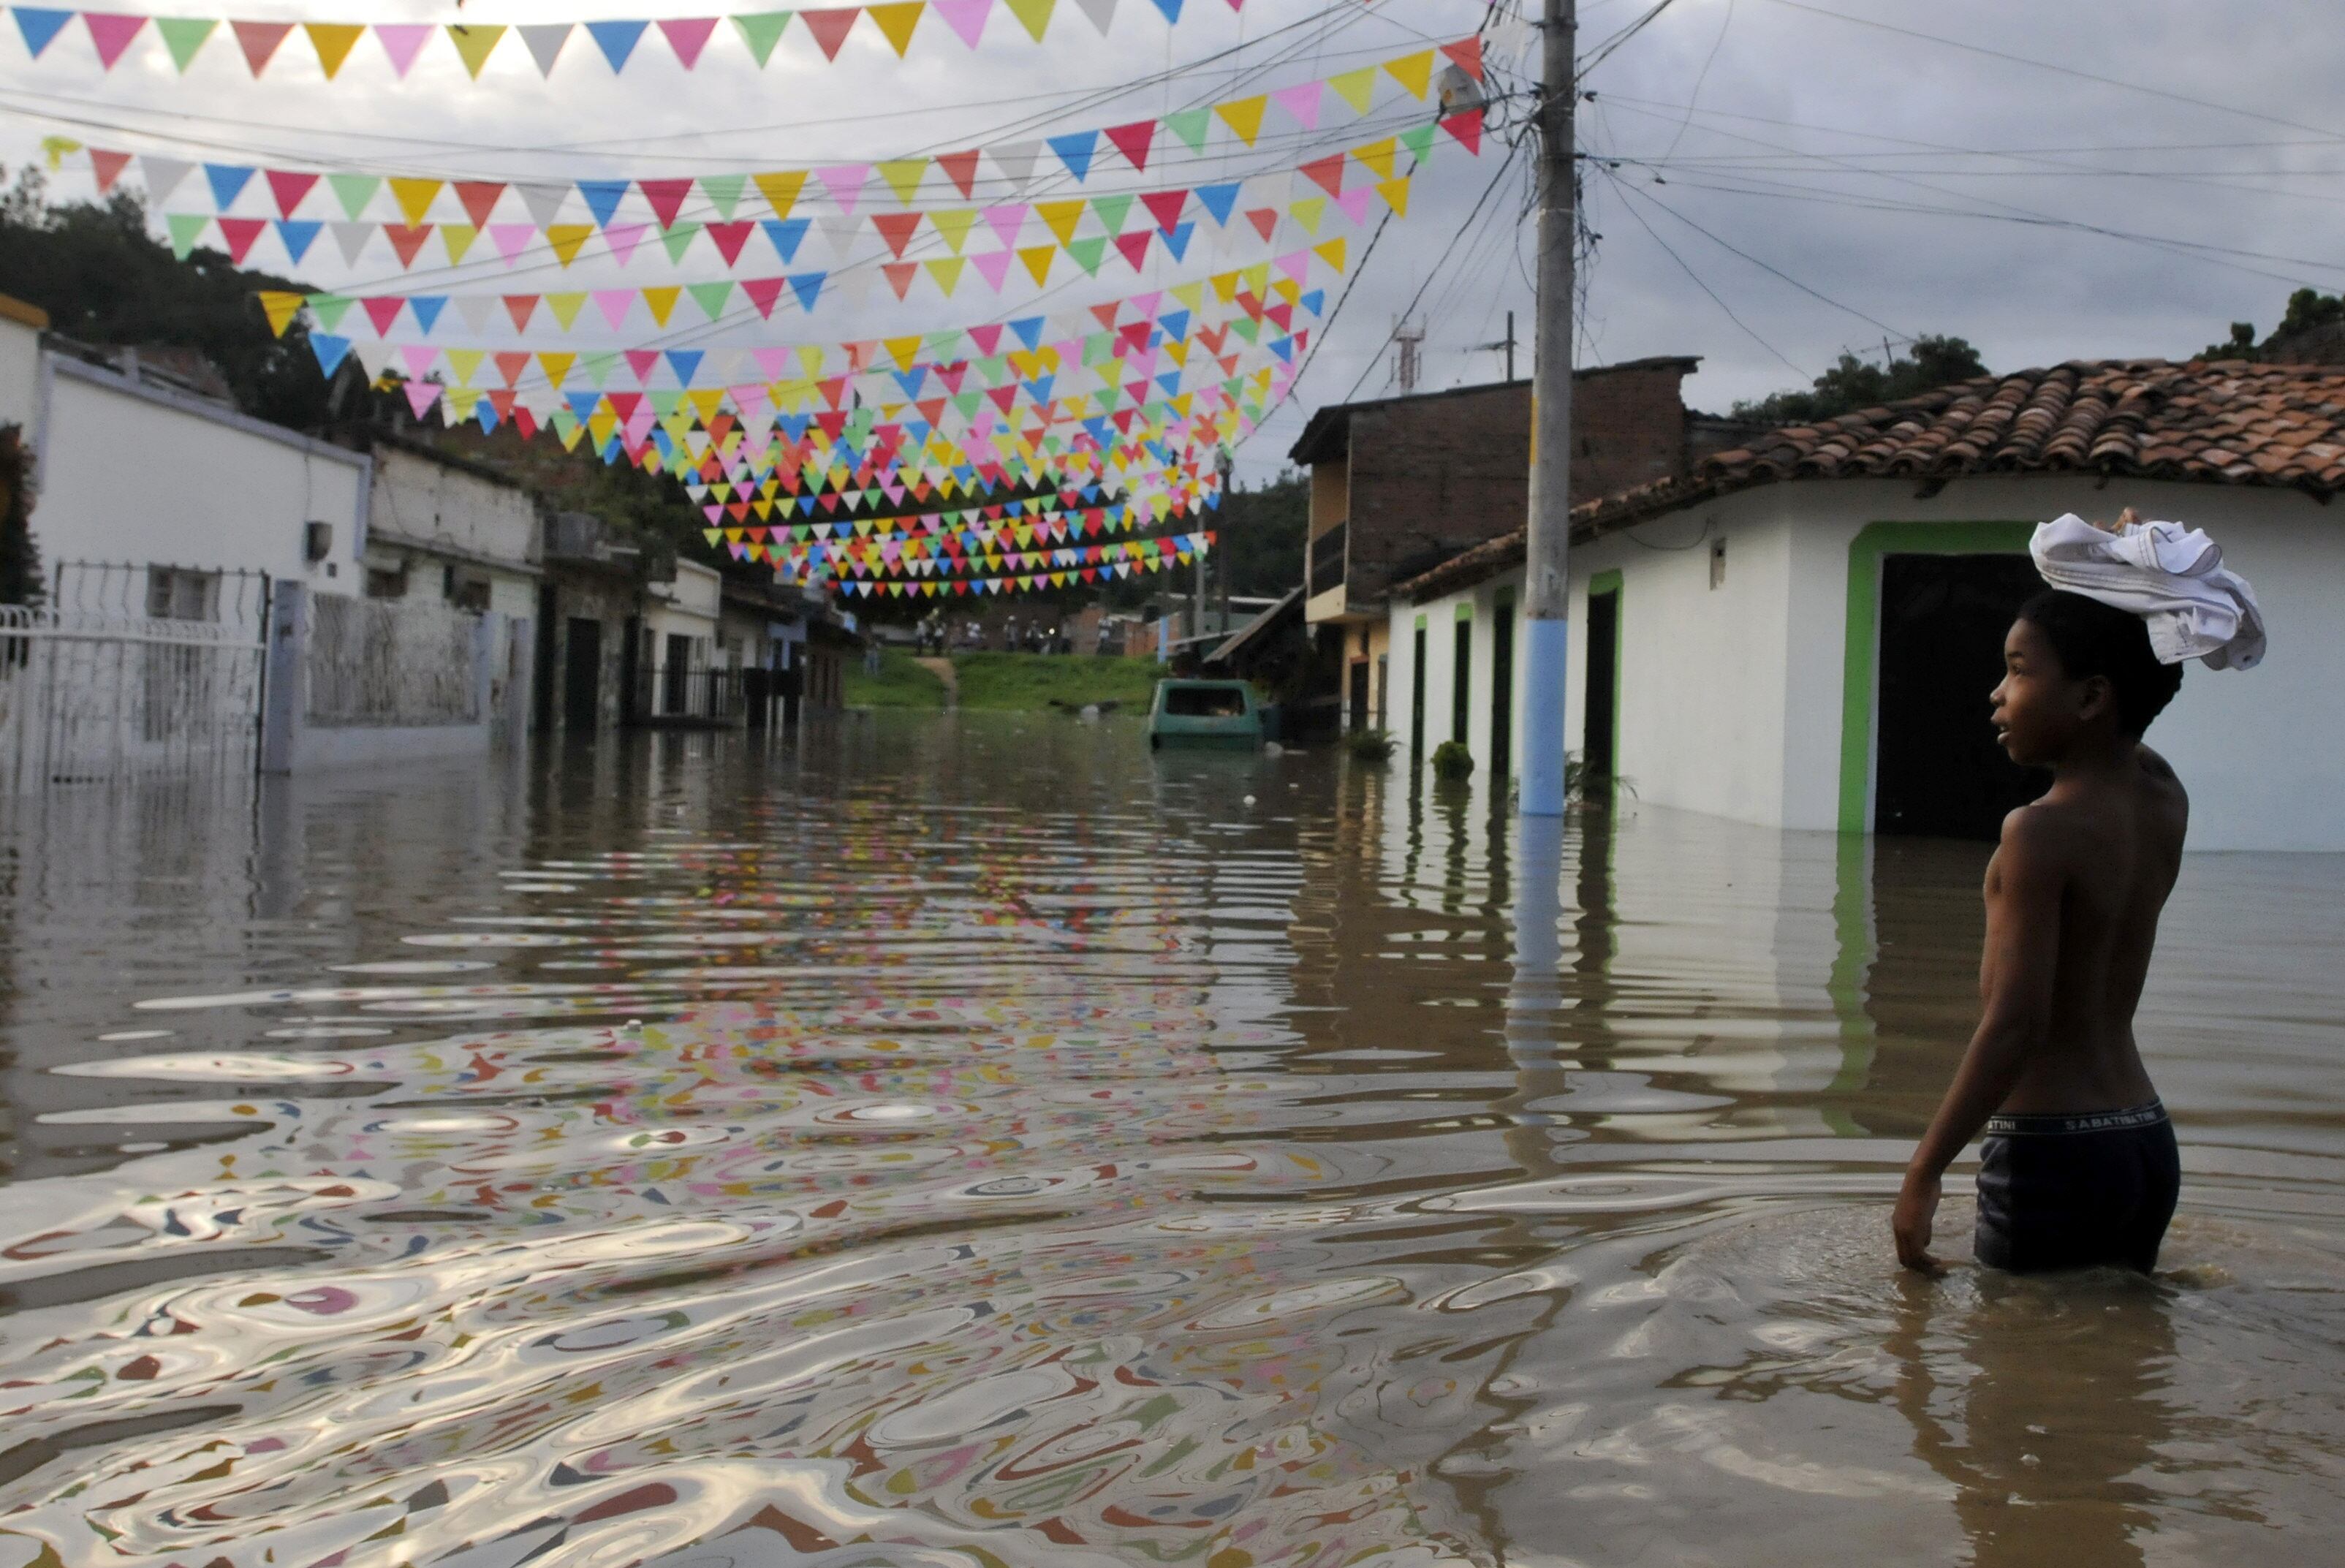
1369 745
1452 760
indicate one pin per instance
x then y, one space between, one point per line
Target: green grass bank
1005 682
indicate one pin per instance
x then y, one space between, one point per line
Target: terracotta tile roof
2224 422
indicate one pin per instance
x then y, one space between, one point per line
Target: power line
1705 288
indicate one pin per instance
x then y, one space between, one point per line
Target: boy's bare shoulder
2042 832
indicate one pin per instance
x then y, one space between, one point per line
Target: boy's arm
2017 972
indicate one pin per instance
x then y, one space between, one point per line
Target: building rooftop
2225 421
1320 438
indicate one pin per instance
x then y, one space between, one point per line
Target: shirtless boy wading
2079 1167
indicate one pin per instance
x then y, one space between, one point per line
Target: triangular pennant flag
1134 142
1100 12
401 42
688 35
831 26
163 174
457 239
112 33
1165 206
1302 101
724 192
1061 218
1075 151
1326 173
479 198
186 229
568 238
474 45
407 240
616 40
333 42
1191 126
965 17
1468 128
543 202
678 240
666 198
786 237
1395 195
897 20
239 233
183 35
1243 117
903 176
761 31
1034 15
1037 259
108 166
227 182
281 306
1354 88
953 223
946 272
544 41
1016 161
39 27
845 182
1413 72
1468 53
781 189
351 237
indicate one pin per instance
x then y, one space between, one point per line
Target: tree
2312 331
1261 535
1853 383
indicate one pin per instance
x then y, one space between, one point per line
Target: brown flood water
1024 1152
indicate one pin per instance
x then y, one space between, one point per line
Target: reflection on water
969 1142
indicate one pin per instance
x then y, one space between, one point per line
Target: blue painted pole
1546 577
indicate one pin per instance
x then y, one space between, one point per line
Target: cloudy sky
1770 182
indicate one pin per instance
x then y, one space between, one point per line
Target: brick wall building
1399 485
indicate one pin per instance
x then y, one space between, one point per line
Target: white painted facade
138 473
20 368
1732 697
434 527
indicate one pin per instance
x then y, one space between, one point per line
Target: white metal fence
392 662
131 670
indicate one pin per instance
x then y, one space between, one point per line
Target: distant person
2080 1166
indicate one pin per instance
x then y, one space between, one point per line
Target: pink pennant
1135 247
774 362
1355 203
402 41
966 17
1295 264
418 358
1302 101
623 239
289 187
1006 221
383 309
993 266
845 182
642 361
730 238
687 36
763 292
511 239
112 33
239 233
987 339
614 304
422 395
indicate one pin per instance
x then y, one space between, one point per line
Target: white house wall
1732 698
435 503
20 377
152 479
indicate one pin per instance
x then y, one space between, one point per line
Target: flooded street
969 1140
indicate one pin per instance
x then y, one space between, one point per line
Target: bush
1369 745
1452 760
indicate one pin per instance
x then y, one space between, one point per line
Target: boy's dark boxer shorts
2077 1190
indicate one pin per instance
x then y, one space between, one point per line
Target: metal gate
131 671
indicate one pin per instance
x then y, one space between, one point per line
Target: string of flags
1148 555
615 42
840 187
1084 229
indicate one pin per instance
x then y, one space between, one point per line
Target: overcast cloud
1915 186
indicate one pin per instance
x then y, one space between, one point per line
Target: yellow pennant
1309 212
474 44
458 238
566 240
898 20
1414 72
1334 252
556 367
661 302
1376 158
781 189
565 307
1245 117
902 174
1033 14
1395 195
1037 257
810 356
903 351
1354 87
333 41
414 197
280 307
1192 294
1061 218
954 223
464 362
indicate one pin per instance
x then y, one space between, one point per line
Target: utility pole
1412 343
1546 603
1506 343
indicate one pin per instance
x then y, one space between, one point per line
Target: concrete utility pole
1547 604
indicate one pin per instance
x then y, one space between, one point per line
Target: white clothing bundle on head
2169 574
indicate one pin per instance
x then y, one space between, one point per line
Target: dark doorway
546 684
1602 705
631 662
1502 692
582 676
1417 698
1939 771
676 675
1461 681
1357 693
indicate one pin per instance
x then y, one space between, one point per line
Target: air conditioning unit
317 541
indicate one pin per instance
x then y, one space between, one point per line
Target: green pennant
1113 210
1246 327
1419 142
967 403
183 35
761 31
724 191
1189 126
353 191
679 240
186 228
995 369
1088 253
944 345
1097 346
330 309
596 367
711 297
